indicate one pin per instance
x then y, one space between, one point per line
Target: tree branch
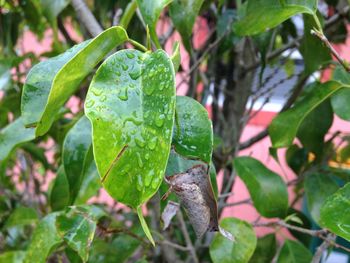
86 18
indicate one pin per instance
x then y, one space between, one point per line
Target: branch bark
86 18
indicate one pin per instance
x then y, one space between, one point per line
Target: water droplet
135 74
162 85
89 103
147 156
149 89
139 160
139 184
125 67
140 142
123 95
103 98
130 55
160 120
148 178
96 92
152 143
118 73
155 182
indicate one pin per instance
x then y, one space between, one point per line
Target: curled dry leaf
169 212
195 192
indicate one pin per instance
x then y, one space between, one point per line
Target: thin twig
245 201
322 248
188 241
324 39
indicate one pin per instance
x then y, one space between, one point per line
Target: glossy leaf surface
77 229
13 135
340 99
131 147
183 14
50 83
265 14
284 127
317 188
335 212
76 157
267 189
294 252
44 240
193 132
59 195
223 250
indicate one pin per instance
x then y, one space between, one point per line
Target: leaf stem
137 45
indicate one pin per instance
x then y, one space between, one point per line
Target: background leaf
335 212
277 12
59 195
265 250
267 189
223 250
294 252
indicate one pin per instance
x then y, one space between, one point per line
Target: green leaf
131 147
117 251
340 99
131 157
14 135
77 228
176 56
51 8
296 158
314 52
12 256
76 156
50 83
90 185
313 129
284 127
150 11
302 221
183 14
59 195
22 216
267 189
193 132
255 20
144 225
223 250
335 212
294 252
44 241
317 188
265 250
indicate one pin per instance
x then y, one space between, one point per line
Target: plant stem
324 39
138 45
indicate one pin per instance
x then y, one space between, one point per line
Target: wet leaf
317 188
284 127
194 190
14 135
169 212
193 132
340 99
131 147
335 212
267 189
223 250
294 252
255 21
76 155
50 83
44 241
77 228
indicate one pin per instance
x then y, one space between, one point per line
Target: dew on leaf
160 120
130 55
